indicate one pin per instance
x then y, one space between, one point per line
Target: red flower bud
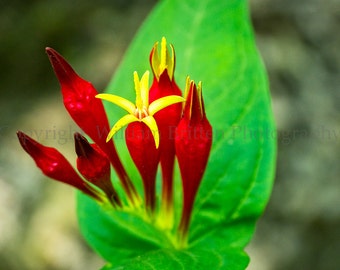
53 164
141 145
94 165
167 119
193 144
88 112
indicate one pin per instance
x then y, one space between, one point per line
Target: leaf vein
234 213
175 259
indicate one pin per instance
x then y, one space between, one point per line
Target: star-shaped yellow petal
121 102
141 111
152 125
124 121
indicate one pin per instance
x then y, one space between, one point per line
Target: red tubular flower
94 165
167 119
142 133
53 164
88 112
141 145
193 143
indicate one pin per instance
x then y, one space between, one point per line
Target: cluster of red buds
161 125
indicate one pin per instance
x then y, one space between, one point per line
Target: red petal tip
83 147
29 145
62 69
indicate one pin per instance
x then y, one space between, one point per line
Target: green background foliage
214 44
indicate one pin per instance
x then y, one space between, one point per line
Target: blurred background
299 42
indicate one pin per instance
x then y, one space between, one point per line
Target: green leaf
214 44
116 235
166 259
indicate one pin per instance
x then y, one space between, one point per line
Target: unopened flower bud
193 143
94 165
53 164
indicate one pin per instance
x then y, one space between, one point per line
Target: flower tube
193 143
163 65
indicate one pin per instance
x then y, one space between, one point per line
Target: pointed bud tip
27 143
52 54
21 136
162 61
49 50
20 133
82 146
62 68
194 106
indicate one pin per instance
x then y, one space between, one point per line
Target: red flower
88 112
164 84
142 133
193 144
145 155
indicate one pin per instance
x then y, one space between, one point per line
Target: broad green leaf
203 259
214 43
112 234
